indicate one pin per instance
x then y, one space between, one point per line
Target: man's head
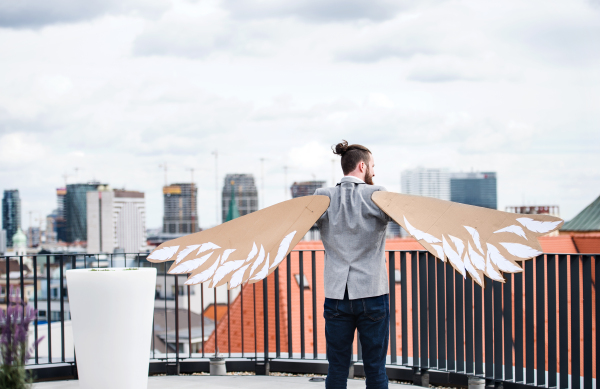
357 161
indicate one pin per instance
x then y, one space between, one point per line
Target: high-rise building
477 188
245 192
116 219
75 210
60 201
306 188
11 214
34 236
180 209
426 182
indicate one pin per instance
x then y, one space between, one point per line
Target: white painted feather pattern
190 266
514 229
520 250
283 248
420 235
499 260
538 226
164 254
183 253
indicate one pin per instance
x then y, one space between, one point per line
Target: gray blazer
353 232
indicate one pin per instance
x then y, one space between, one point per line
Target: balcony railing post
48 309
266 326
62 310
392 277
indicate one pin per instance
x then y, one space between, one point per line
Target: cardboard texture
476 241
246 249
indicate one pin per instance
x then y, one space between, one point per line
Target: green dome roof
19 239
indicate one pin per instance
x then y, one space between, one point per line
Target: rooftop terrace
223 382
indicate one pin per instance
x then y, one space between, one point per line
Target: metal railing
536 329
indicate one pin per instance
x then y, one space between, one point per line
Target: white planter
111 313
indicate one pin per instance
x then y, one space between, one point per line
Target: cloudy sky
111 89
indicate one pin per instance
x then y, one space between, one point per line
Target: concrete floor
221 382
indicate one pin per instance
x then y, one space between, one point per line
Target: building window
304 279
179 290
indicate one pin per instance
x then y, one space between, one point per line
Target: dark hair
352 155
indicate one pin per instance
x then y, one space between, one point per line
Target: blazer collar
351 179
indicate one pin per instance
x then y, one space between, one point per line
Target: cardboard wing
475 240
246 249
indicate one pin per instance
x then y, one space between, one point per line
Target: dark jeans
371 316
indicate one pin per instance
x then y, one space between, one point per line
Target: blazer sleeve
324 216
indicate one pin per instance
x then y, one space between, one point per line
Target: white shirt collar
352 179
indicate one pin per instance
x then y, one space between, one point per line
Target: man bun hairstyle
351 155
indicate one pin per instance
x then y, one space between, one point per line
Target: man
356 287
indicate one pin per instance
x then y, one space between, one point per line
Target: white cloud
456 84
36 14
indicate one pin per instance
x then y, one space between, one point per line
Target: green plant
100 270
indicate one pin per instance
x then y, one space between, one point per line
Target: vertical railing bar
529 323
255 329
62 310
392 277
488 309
518 293
48 308
215 322
153 345
597 296
498 341
551 304
451 321
301 278
415 306
423 306
468 327
508 322
242 315
177 322
478 320
166 317
432 311
277 319
73 266
459 328
575 321
314 302
35 306
588 341
404 307
228 321
441 315
540 281
21 281
202 318
266 320
153 324
359 356
289 303
189 314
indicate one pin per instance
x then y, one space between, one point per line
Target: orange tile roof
561 244
210 311
588 243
